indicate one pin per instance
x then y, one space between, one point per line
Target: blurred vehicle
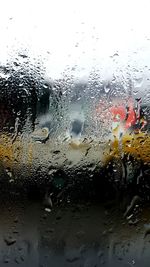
24 96
131 118
125 117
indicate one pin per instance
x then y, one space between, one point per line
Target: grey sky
112 36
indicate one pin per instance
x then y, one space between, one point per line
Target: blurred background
74 133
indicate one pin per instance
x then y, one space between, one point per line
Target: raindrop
77 44
10 241
17 260
115 55
135 200
48 210
41 135
22 258
52 171
106 89
6 259
23 55
100 253
9 173
56 152
50 230
72 255
133 222
147 230
138 82
48 201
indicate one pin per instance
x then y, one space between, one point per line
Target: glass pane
74 132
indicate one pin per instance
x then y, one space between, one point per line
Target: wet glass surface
82 234
74 133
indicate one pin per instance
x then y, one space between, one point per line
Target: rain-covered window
74 133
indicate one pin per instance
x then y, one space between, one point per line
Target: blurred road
88 235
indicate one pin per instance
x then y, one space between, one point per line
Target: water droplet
6 259
41 135
72 255
10 241
9 173
52 171
56 151
107 89
138 82
17 260
48 210
100 253
48 201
